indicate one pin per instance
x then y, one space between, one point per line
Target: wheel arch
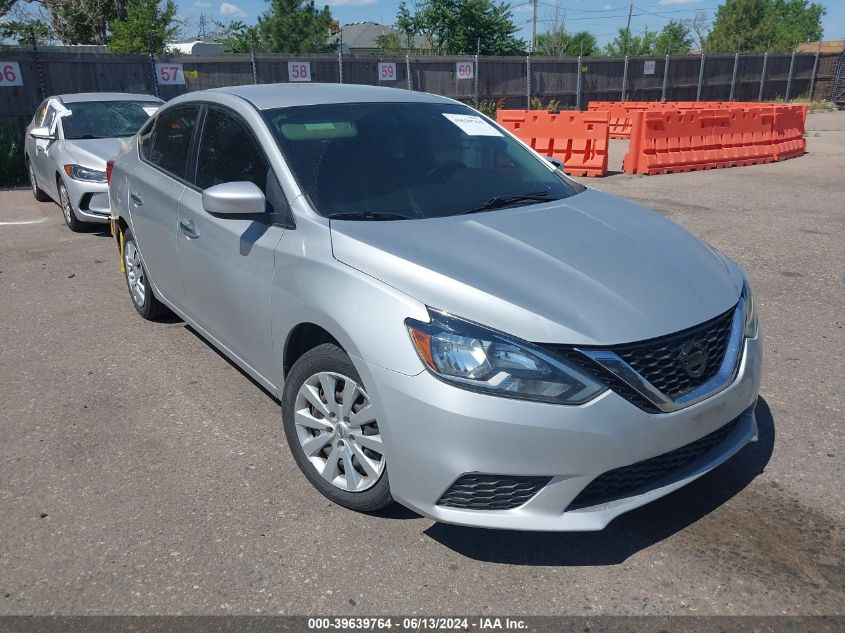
303 337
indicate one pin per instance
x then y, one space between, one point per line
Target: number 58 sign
170 74
299 71
10 74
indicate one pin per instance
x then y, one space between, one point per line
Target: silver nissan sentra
448 320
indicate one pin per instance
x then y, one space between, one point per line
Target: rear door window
171 143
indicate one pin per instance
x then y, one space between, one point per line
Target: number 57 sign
10 74
170 74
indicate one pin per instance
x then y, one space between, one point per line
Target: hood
592 269
95 152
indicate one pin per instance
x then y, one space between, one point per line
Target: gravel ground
142 473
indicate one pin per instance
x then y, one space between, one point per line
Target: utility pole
627 30
534 25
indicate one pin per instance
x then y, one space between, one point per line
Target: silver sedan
448 320
69 141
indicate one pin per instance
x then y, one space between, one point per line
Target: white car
68 142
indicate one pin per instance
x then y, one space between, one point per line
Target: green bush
12 167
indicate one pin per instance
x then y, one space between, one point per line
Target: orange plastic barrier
621 112
687 140
578 139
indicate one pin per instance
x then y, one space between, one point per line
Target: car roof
104 96
266 96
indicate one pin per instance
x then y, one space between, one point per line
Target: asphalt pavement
142 473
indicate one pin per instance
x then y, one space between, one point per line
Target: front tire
69 214
138 282
332 432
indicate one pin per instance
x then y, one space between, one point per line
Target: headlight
750 314
477 358
78 172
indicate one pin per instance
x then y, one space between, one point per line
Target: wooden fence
515 80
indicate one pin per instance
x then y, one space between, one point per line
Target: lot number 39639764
10 74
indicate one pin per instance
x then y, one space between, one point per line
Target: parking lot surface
141 473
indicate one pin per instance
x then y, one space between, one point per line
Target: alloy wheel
66 208
135 273
33 183
338 432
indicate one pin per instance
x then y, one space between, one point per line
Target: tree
700 27
6 6
559 43
82 21
26 32
147 28
764 25
237 37
390 43
294 26
674 39
626 43
462 27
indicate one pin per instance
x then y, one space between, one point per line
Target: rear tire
73 223
138 283
37 192
334 444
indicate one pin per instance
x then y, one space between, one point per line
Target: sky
601 17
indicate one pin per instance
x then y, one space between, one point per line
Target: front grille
491 492
649 474
658 360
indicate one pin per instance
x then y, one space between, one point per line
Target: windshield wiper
368 215
497 202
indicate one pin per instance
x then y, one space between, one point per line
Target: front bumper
434 433
90 200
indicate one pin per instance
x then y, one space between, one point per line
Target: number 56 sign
170 74
10 74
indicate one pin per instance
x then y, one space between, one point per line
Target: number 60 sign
10 74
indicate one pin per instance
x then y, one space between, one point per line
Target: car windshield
106 119
369 161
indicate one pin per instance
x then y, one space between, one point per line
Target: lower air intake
649 474
491 492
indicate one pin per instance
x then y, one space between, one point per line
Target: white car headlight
78 172
750 314
474 357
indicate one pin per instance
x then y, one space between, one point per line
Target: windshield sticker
150 110
472 125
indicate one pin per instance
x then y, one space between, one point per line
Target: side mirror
234 198
554 161
42 133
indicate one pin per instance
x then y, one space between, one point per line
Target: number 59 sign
170 75
299 71
10 74
386 71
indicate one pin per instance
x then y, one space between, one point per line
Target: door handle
134 197
189 229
